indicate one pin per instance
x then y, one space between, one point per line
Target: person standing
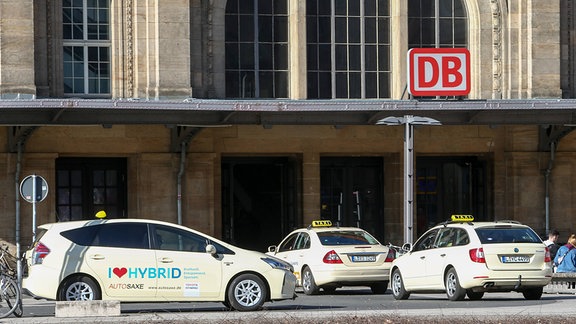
551 243
565 260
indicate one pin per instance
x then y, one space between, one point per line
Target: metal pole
33 208
408 179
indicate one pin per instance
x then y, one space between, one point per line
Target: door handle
166 260
97 257
422 257
443 254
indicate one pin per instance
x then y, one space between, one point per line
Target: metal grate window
86 47
437 23
348 48
257 49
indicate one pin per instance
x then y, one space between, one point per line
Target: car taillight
477 255
547 257
391 256
332 257
39 253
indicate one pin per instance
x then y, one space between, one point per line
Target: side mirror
211 249
272 248
407 247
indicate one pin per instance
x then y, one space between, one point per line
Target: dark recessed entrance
352 192
258 200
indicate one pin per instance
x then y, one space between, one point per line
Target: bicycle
10 298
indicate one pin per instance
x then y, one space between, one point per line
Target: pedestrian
551 243
565 260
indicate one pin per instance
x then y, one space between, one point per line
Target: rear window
507 234
346 238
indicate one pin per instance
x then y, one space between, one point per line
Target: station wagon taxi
328 257
466 258
140 260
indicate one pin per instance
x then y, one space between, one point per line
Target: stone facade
174 49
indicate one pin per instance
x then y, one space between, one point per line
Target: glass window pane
341 85
339 7
246 29
265 28
281 29
340 30
446 32
281 57
325 85
354 57
265 7
370 30
266 85
371 85
355 85
280 6
247 56
232 55
281 84
245 6
341 53
266 62
384 30
445 8
354 30
325 57
384 7
353 8
324 30
312 85
311 57
371 58
459 9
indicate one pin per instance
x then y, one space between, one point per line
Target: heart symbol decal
120 272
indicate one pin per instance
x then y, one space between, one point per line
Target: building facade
252 182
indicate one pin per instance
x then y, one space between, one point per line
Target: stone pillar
17 44
297 32
399 48
162 49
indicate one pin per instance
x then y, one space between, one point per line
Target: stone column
162 49
297 50
17 44
399 48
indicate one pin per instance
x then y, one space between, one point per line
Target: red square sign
438 71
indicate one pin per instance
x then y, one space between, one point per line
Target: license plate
515 259
363 258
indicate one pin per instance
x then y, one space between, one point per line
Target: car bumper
506 281
349 276
41 282
282 285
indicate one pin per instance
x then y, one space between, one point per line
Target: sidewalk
546 312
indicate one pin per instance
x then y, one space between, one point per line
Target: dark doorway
352 192
449 185
258 200
85 186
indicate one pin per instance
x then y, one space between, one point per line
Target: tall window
348 48
257 48
437 23
86 47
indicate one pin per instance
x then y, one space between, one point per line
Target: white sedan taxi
466 258
137 260
327 257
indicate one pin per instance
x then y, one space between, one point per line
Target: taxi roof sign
462 218
321 223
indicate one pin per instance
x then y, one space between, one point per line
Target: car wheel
474 295
453 289
379 288
78 288
397 285
533 293
247 292
308 283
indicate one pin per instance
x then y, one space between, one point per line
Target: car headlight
278 264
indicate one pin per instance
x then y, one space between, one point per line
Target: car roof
473 224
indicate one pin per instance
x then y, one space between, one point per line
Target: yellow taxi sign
321 223
462 218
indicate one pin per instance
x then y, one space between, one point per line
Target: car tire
308 284
379 288
533 293
397 286
453 289
474 295
79 288
247 292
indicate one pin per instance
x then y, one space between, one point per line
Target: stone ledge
87 308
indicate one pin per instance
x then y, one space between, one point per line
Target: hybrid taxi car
466 258
145 260
326 257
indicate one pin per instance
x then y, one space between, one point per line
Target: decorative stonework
129 49
496 49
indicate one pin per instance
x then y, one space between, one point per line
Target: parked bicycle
10 298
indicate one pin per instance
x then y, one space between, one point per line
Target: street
345 305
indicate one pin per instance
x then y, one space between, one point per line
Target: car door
121 258
438 257
414 271
185 270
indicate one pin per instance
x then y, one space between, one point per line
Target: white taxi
137 260
466 258
327 257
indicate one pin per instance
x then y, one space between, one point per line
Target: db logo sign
439 71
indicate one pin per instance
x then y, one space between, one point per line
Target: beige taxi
329 257
139 260
466 258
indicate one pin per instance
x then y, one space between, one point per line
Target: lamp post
409 121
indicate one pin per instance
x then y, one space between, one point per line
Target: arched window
437 23
348 50
257 49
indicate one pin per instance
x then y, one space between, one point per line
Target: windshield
490 235
346 238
